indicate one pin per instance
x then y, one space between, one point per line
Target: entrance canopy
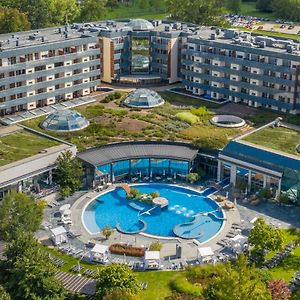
205 252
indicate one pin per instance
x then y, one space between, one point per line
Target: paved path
76 283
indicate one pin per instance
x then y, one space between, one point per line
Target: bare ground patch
132 125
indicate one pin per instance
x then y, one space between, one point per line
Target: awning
205 251
101 249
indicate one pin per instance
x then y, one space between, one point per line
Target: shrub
279 290
107 231
192 177
112 97
128 250
182 285
154 194
155 246
200 112
187 117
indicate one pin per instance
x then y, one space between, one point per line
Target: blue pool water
112 209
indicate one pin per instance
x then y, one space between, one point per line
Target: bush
154 195
279 290
127 250
182 285
155 246
112 97
200 112
187 117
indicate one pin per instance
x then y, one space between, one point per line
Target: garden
180 118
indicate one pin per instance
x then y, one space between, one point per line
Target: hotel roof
139 149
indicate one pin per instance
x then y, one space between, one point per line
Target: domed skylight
65 120
143 98
140 25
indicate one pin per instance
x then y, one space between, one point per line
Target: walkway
76 283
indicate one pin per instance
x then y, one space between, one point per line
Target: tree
192 177
12 20
116 276
239 281
155 246
31 274
3 294
63 11
92 10
234 5
119 294
143 4
200 12
68 173
107 231
265 237
286 9
37 11
264 5
19 212
279 290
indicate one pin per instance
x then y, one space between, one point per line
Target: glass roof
143 98
65 120
140 25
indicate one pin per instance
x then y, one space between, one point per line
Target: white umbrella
65 207
113 178
174 175
227 195
164 172
151 174
140 174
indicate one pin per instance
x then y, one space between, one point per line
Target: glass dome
65 120
140 25
143 98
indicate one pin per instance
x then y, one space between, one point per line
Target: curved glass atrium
140 25
143 98
65 120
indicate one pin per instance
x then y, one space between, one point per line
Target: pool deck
189 246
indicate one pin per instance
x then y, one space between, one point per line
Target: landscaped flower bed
128 250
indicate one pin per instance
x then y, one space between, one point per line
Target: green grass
136 12
249 9
272 33
174 98
158 284
187 117
281 139
22 144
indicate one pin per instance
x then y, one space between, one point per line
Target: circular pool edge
159 237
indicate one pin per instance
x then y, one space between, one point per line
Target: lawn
22 144
281 139
187 117
272 33
133 11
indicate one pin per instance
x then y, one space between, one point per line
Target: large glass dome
143 98
140 25
65 120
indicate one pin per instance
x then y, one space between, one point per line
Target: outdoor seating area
280 256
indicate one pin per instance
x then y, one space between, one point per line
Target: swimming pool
186 215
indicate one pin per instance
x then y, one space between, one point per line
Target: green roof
21 144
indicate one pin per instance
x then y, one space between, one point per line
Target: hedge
127 250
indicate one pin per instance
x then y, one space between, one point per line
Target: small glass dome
143 98
140 25
65 120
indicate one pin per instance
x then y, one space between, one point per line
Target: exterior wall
107 73
39 75
254 76
174 61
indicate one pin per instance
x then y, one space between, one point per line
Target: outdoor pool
185 216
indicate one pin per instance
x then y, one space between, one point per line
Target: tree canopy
265 237
19 212
13 20
116 276
68 173
200 12
92 10
3 294
239 281
30 273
